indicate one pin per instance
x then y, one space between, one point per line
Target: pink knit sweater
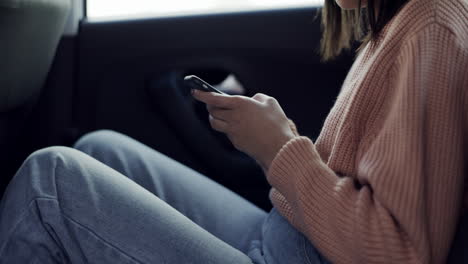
384 182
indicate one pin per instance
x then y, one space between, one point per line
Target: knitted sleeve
405 206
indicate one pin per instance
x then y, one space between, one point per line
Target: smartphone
196 83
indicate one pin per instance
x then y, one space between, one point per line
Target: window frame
150 15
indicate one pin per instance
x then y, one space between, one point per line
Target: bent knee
41 166
52 154
102 144
98 140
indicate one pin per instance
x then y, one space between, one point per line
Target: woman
382 184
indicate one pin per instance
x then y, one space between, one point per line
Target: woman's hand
256 126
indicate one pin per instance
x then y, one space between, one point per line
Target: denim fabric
118 201
282 243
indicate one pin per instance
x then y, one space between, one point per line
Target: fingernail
192 91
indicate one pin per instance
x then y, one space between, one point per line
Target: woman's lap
104 214
265 238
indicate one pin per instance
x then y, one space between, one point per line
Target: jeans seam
100 238
56 167
70 219
21 218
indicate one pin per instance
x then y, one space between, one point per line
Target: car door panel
125 75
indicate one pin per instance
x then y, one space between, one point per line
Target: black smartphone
195 82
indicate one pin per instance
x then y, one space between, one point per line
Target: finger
222 114
265 99
210 108
214 99
260 97
218 125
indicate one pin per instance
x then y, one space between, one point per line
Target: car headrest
29 34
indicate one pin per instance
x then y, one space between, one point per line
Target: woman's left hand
257 126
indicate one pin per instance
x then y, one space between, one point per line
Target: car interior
63 74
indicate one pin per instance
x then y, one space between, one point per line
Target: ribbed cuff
296 165
281 204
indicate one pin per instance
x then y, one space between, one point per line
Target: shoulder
433 19
452 15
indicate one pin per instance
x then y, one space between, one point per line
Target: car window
112 9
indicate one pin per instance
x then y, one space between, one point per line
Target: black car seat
459 250
30 31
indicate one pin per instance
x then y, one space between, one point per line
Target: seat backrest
30 31
29 34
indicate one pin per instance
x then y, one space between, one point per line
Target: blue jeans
115 200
